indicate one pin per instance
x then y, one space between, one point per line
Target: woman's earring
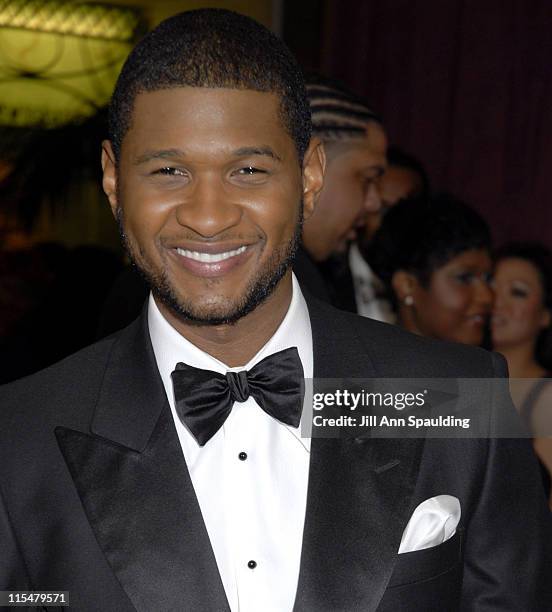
408 300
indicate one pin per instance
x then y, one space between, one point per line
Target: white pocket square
433 522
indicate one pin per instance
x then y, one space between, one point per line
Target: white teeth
210 257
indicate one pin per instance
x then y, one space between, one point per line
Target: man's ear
405 286
314 165
109 181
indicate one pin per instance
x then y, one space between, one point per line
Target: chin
472 339
500 342
498 334
341 248
219 311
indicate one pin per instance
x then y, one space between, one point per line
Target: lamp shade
59 60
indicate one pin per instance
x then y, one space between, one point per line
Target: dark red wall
465 85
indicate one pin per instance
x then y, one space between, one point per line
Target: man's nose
372 200
209 209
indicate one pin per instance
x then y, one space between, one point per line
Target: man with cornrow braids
355 145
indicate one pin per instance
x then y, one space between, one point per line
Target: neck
521 360
406 319
236 344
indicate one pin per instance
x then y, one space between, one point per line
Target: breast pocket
421 565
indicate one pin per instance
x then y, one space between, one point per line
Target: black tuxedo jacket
96 498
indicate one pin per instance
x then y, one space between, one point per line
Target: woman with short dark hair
433 256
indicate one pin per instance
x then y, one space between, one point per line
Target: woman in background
433 256
521 328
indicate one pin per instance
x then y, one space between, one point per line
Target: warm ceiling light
59 60
88 20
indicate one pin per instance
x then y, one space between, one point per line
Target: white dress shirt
253 508
369 296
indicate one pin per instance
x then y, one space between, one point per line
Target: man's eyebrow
247 151
163 154
179 153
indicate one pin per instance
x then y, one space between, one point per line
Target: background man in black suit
138 484
355 144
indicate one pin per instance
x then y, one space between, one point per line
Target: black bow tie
204 398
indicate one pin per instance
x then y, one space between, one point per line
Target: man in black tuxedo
135 483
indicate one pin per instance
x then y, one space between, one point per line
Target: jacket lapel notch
132 395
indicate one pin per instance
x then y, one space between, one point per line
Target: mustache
189 235
224 236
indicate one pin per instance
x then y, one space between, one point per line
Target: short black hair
540 257
420 235
337 113
212 48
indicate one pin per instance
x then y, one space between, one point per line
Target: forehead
398 183
406 177
472 258
517 268
376 137
213 118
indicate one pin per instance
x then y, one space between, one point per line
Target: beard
260 287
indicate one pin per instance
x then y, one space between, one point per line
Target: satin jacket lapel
359 494
136 490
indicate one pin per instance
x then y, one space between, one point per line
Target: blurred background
464 85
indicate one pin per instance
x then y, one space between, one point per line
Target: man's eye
250 171
249 175
169 171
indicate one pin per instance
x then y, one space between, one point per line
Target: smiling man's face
209 195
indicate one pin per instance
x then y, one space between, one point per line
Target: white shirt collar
170 347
